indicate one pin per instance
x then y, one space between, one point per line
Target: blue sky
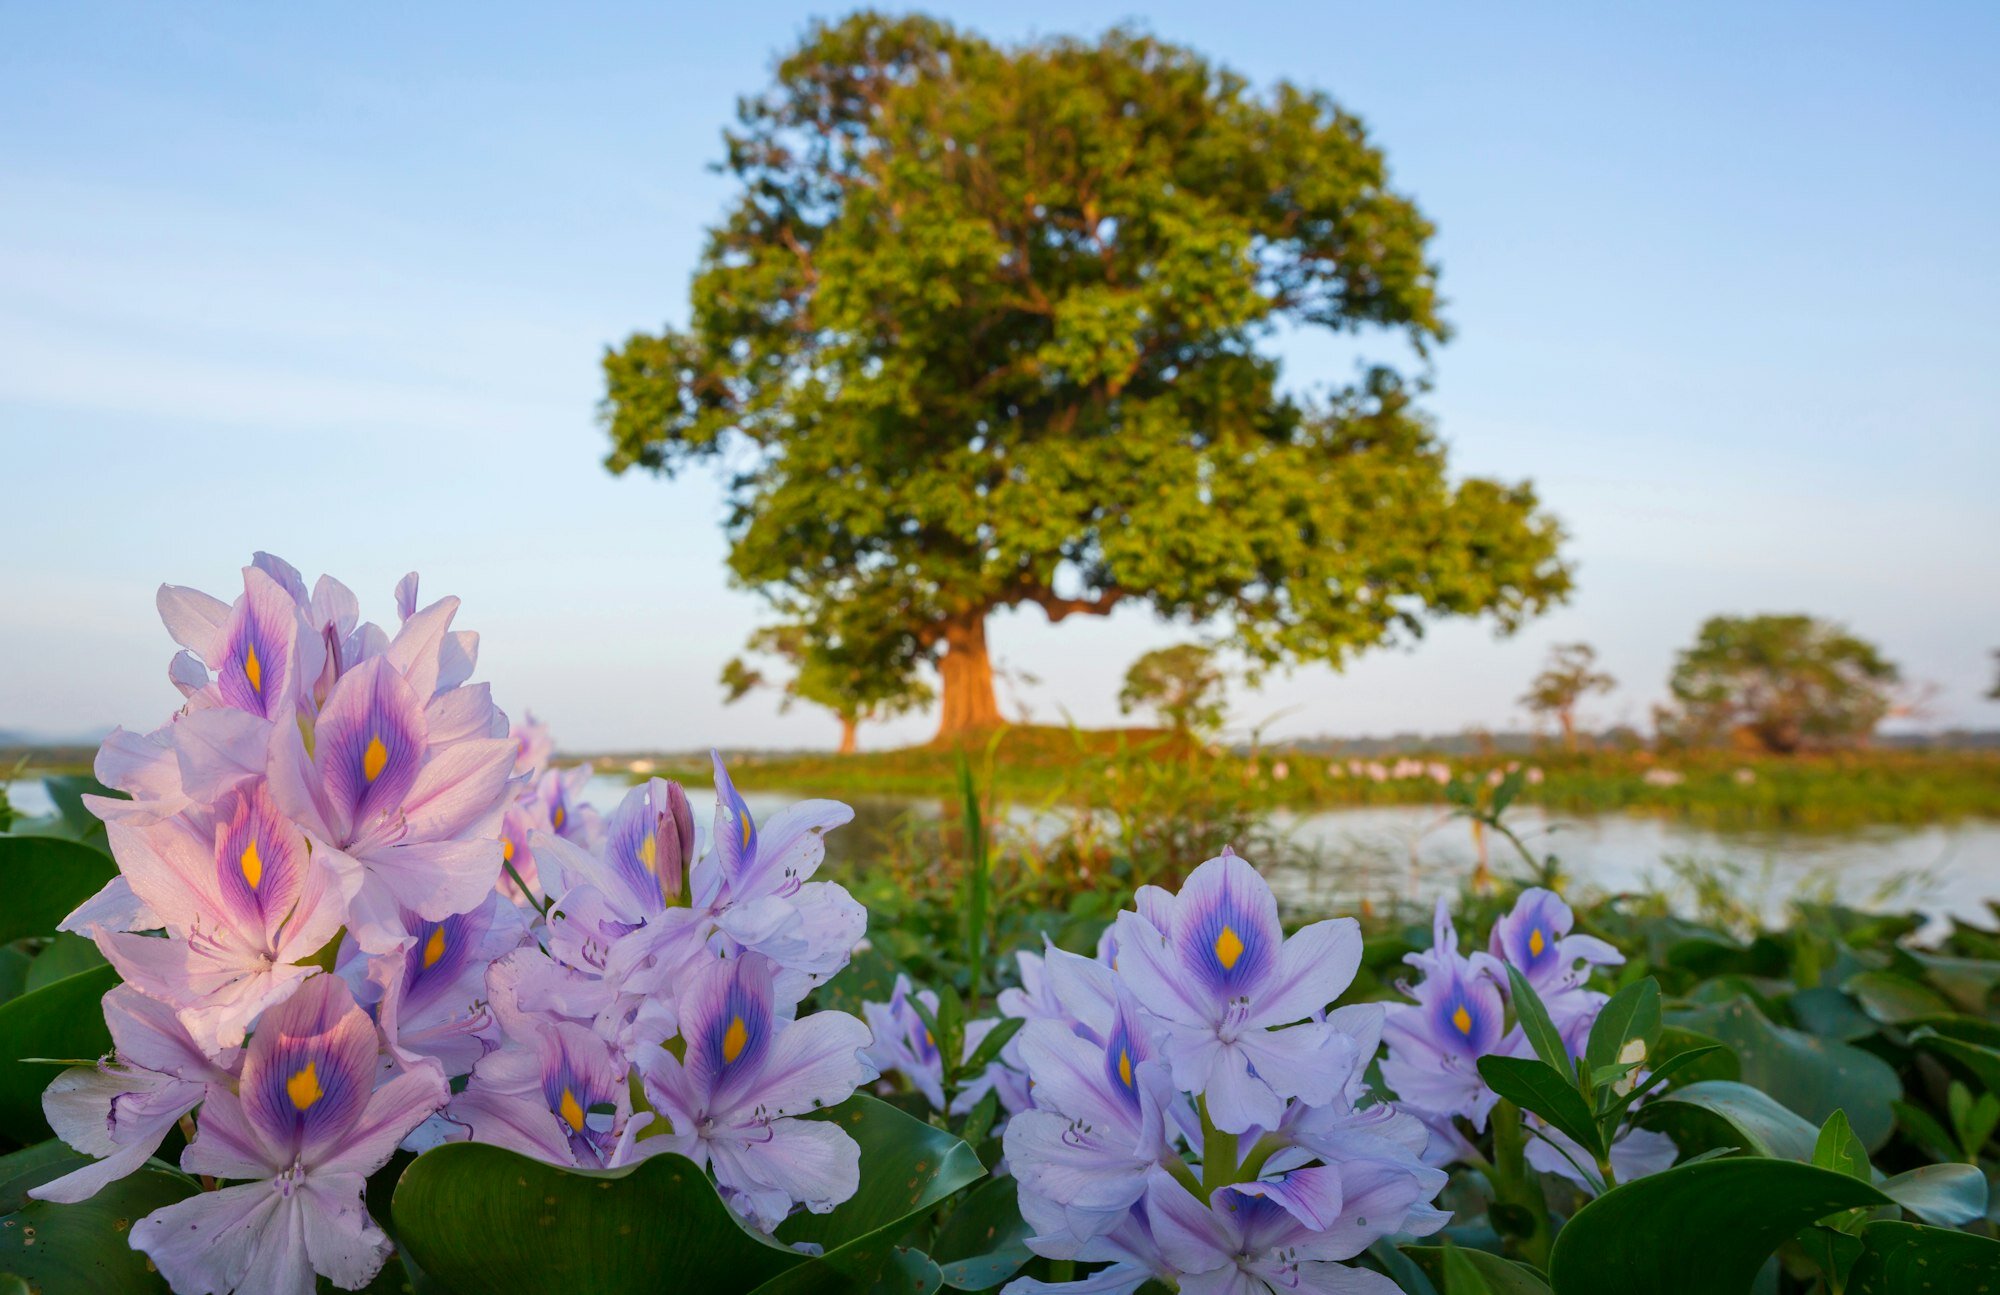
335 283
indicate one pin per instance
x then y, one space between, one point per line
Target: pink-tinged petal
187 674
433 880
406 596
1315 966
415 650
1119 1279
143 765
295 785
114 908
156 967
1084 988
1069 1075
1317 1278
333 606
830 924
1088 1167
648 842
814 1062
1226 932
213 1243
811 1161
171 868
283 573
458 657
341 1241
464 714
147 1032
461 791
216 749
194 619
227 1145
1379 1199
369 745
727 1019
1237 1099
791 846
116 1113
1149 968
517 1123
260 663
309 1070
392 1111
735 834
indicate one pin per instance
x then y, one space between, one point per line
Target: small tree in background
1785 683
989 327
824 675
1181 684
1570 675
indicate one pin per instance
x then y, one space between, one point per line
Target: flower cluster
356 910
1199 1109
1434 1044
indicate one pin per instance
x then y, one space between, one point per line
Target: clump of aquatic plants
331 982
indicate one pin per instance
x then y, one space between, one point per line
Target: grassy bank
1831 792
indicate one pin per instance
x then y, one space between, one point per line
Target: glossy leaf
1983 1062
1705 1227
1907 1258
985 1241
62 1020
1632 1013
80 1247
1811 1075
1950 1195
1535 1086
1893 999
44 878
1720 1112
1839 1150
66 955
1542 1033
1499 1276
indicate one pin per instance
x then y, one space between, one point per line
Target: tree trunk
966 672
1568 721
847 726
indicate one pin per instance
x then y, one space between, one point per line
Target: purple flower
1635 1153
1435 1044
432 993
244 903
301 1134
559 795
1535 940
1223 978
748 1069
121 1110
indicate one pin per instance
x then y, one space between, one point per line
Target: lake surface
1339 858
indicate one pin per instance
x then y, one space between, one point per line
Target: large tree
1570 675
987 327
1785 683
856 691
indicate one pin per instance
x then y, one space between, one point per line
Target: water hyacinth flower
904 1048
121 1110
1223 979
299 1137
750 1066
430 998
244 901
1535 940
1434 1045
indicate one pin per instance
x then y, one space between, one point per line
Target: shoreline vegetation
1832 792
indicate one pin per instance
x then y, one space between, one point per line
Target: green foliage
1570 675
985 328
1181 684
1788 683
63 1021
80 1247
44 877
856 688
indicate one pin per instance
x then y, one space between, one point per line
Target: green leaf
1499 1276
1720 1064
44 878
989 1047
1983 1062
65 1019
1906 1258
1705 1227
907 1167
80 1247
1811 1075
1923 1129
1893 999
67 955
985 1241
68 791
908 1272
1632 1013
1967 982
1460 1276
1543 1036
478 1218
869 977
1951 1195
1839 1150
1536 1086
1719 1112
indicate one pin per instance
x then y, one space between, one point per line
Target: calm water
1413 852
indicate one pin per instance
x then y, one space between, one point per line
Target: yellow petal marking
571 1112
434 947
253 669
557 818
507 849
733 1040
1228 947
374 759
1463 1020
303 1087
649 854
1125 1067
746 831
252 864
1536 943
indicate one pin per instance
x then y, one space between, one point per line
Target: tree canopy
1570 675
989 327
1182 684
856 691
1785 683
